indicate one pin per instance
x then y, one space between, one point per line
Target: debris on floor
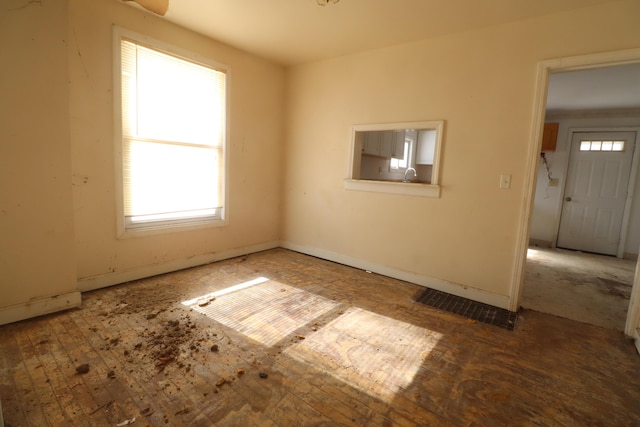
206 301
164 360
147 411
82 369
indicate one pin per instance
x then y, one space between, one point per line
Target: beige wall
57 204
36 223
482 83
255 167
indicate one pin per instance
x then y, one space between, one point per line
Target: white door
596 191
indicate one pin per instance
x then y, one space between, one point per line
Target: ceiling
292 32
602 88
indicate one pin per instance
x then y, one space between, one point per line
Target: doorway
520 277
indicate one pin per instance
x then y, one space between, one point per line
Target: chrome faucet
415 174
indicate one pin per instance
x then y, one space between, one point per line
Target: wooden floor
279 338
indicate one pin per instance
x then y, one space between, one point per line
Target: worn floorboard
279 339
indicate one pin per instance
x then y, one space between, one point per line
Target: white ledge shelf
391 187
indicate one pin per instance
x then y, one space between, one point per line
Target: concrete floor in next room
589 288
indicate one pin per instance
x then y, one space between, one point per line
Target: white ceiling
291 32
297 31
595 89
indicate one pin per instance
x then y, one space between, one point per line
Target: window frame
171 225
406 158
599 148
354 183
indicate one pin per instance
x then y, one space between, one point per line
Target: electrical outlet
505 181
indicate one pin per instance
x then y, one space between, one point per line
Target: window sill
393 187
124 233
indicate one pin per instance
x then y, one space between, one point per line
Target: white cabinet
397 144
371 143
387 144
426 149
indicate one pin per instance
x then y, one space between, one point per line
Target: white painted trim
101 281
544 69
354 162
404 188
631 187
39 307
636 338
475 294
119 33
633 313
535 143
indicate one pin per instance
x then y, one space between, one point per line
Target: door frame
626 215
544 69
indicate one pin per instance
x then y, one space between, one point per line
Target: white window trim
432 190
404 188
169 226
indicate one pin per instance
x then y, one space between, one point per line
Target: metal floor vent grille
470 309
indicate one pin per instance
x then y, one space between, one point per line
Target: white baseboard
38 307
96 282
73 299
475 294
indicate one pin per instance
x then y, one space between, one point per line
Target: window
173 128
588 145
401 163
400 158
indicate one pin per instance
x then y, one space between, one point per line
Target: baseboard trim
540 243
86 284
39 307
457 289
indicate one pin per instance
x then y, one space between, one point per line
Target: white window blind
173 125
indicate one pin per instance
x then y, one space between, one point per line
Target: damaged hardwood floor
280 338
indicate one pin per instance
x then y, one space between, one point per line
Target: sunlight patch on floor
225 291
373 353
262 309
533 253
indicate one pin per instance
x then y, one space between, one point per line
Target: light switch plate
505 181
